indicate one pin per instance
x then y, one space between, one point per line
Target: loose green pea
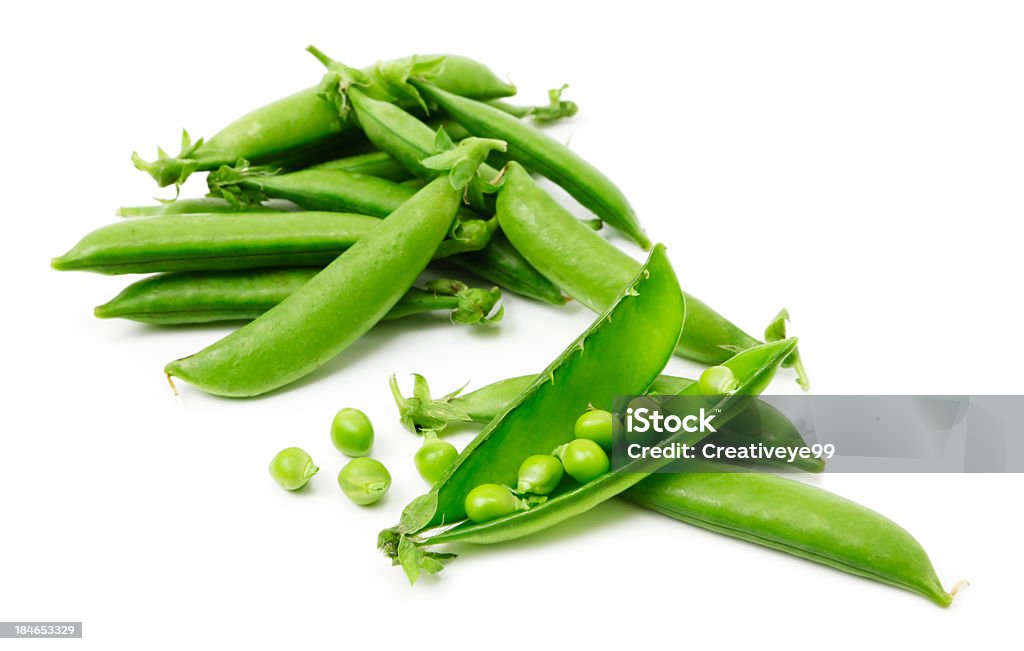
433 458
292 468
717 381
595 425
583 459
352 432
539 474
364 480
492 501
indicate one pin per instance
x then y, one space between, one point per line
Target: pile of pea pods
326 207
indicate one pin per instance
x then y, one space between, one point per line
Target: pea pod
756 366
322 189
544 155
375 163
622 352
203 205
761 422
592 270
208 297
795 518
217 242
402 135
304 121
319 321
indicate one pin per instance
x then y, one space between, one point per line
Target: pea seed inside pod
433 458
492 501
717 381
595 425
583 459
539 474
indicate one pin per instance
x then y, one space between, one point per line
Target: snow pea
331 311
321 189
592 270
622 352
213 296
759 423
217 242
303 121
544 155
795 518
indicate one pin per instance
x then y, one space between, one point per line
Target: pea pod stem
209 297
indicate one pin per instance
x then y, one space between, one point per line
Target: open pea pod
622 352
753 367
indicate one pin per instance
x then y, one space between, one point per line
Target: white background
860 164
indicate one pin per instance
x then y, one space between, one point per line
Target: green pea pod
332 310
546 156
621 353
756 365
203 205
375 163
759 423
321 189
217 242
211 296
304 121
798 519
592 270
404 136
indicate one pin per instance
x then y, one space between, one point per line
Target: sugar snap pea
332 310
795 518
321 189
755 366
593 271
544 155
399 133
204 205
622 352
759 423
217 242
214 296
374 163
304 121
